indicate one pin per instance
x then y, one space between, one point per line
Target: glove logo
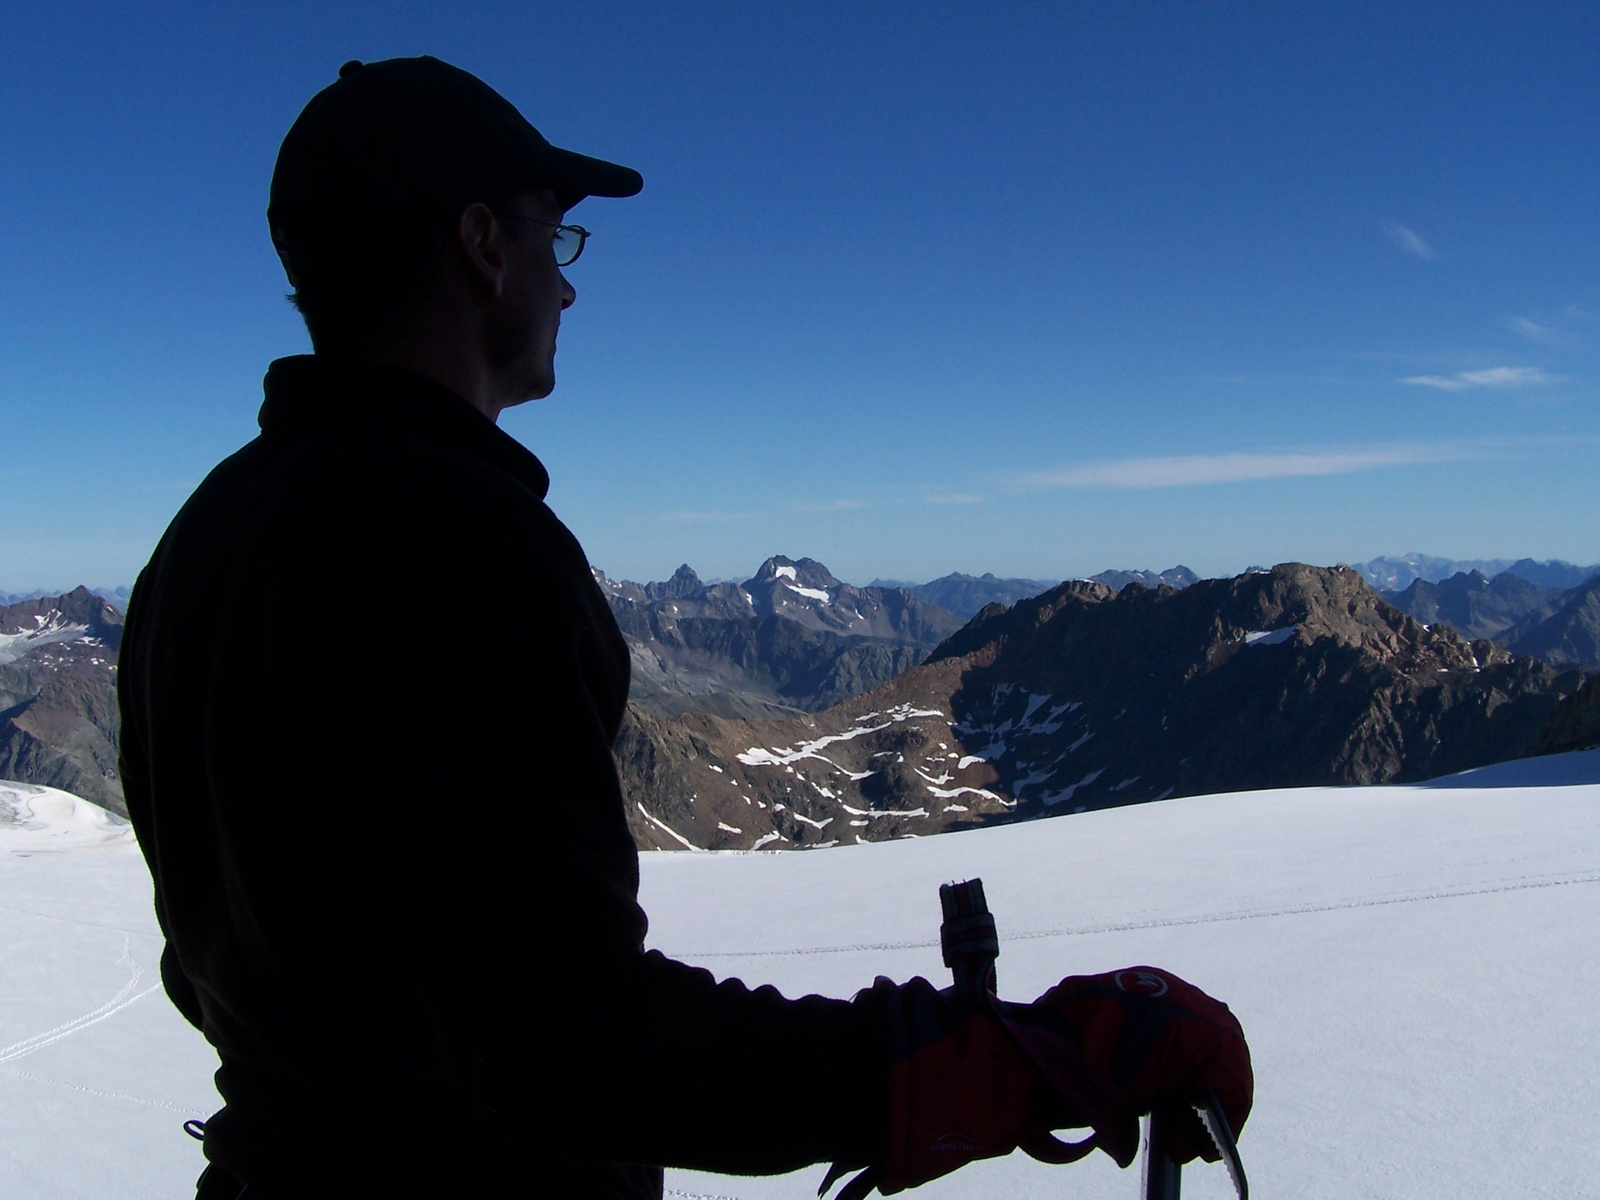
1142 983
955 1143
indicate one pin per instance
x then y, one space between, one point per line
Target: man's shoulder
342 505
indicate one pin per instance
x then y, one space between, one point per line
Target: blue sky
1032 289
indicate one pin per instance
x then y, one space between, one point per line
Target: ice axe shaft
968 941
1163 1176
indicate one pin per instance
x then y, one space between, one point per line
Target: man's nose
568 294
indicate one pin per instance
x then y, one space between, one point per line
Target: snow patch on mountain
47 629
760 756
816 594
1270 637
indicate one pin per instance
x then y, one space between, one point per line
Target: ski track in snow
124 997
1483 889
151 1101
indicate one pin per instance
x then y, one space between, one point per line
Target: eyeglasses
567 240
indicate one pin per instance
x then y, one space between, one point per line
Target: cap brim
573 176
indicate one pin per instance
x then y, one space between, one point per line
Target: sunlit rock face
58 695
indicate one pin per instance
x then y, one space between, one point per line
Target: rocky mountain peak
793 573
58 702
683 585
76 616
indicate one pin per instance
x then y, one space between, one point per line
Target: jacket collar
308 390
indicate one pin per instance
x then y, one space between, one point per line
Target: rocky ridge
59 724
1474 604
1085 697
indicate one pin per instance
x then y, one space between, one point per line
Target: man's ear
480 240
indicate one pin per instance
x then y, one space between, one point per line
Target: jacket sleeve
517 907
134 770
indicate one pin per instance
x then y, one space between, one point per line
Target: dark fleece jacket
369 691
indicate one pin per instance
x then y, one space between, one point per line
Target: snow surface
45 818
1415 968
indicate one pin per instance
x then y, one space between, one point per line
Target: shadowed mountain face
1087 698
966 594
1575 724
58 695
1477 606
1569 635
792 638
1561 627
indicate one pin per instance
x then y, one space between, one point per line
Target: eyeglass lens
567 242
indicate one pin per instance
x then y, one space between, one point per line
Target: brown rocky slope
1088 698
59 724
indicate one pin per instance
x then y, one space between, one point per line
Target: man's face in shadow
527 315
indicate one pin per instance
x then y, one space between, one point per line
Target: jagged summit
683 585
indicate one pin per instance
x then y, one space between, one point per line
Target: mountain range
1086 697
964 595
1395 574
792 638
1560 626
117 596
59 724
793 655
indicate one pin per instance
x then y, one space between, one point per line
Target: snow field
1415 968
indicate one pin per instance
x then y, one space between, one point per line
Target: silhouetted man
369 692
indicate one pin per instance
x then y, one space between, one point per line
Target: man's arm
524 937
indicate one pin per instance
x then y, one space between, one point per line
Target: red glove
1114 1045
1094 1050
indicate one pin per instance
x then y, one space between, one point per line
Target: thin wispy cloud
952 498
1192 469
707 517
1502 378
1571 326
1409 241
826 505
1536 331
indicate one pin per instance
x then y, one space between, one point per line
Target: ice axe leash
970 944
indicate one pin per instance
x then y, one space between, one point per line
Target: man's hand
1095 1051
1113 1046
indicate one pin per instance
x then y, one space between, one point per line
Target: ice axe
970 944
1162 1176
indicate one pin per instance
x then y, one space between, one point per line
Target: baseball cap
411 137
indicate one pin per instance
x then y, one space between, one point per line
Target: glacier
1414 967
